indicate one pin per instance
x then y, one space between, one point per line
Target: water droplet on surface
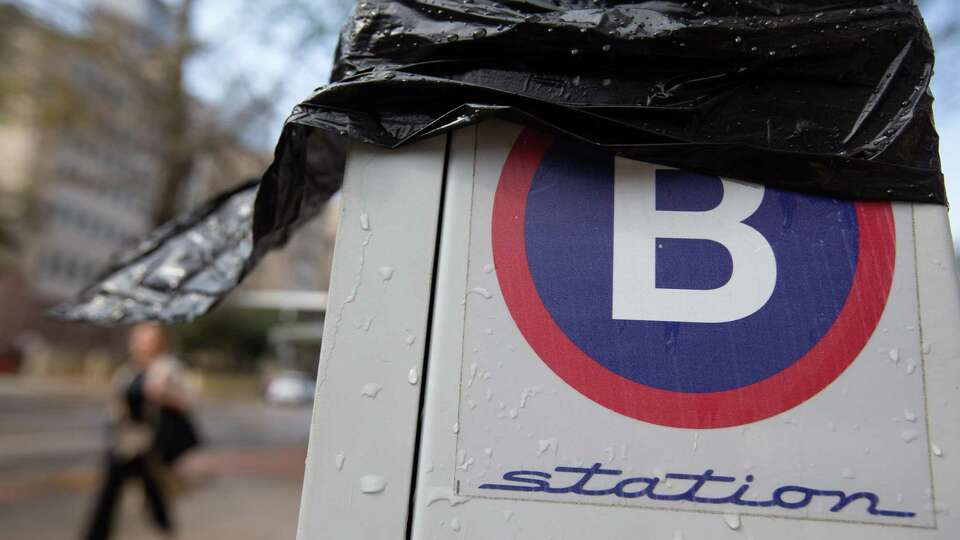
909 415
480 32
455 524
480 291
364 221
367 321
606 82
507 515
847 473
546 444
488 451
456 427
412 376
936 450
513 413
386 272
435 494
732 521
372 483
678 535
911 366
926 348
409 339
338 461
909 435
738 39
487 268
370 390
894 355
605 48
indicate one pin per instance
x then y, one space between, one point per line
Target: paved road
246 482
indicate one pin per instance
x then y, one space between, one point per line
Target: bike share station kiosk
528 337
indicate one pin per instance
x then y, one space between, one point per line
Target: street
243 484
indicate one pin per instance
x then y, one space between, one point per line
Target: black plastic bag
817 96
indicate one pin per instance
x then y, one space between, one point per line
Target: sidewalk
245 480
239 495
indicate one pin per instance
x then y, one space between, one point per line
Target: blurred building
80 138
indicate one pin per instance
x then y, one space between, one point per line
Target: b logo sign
681 299
638 225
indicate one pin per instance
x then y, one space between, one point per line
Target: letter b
636 226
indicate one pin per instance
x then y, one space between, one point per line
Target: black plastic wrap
817 96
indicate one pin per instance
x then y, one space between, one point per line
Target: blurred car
289 388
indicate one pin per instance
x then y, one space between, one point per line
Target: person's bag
176 434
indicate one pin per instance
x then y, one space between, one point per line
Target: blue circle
569 244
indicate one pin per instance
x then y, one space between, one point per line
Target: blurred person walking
150 429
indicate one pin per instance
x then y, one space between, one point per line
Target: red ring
799 382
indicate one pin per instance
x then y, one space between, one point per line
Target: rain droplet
738 39
507 515
936 450
546 444
338 461
678 535
911 366
412 376
455 524
909 435
894 355
364 221
481 292
435 494
847 473
456 427
370 390
372 483
605 48
909 415
488 451
409 339
365 325
513 413
386 272
481 32
487 268
926 348
606 82
732 521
